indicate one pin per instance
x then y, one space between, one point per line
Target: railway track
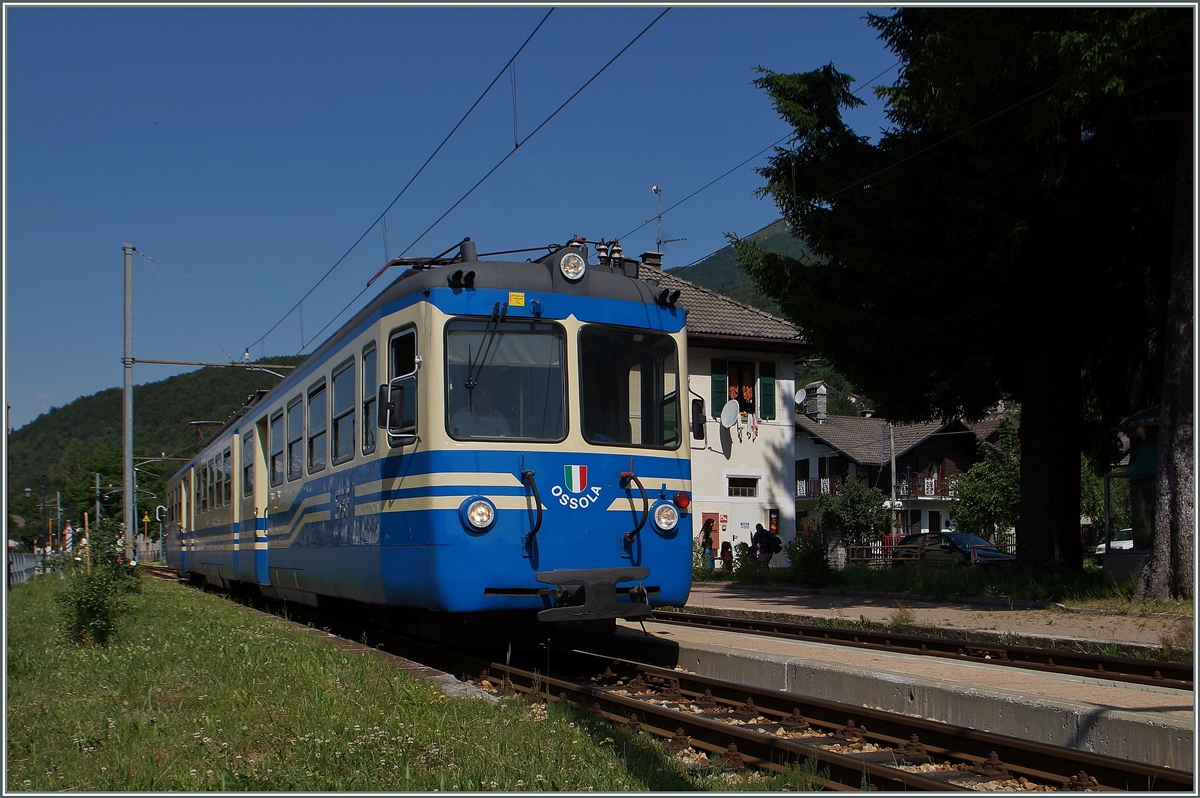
852 745
710 722
1124 669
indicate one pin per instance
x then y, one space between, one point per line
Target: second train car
490 452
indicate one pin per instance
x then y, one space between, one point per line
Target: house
742 356
929 457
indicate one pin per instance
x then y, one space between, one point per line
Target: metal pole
130 496
97 500
42 516
58 517
892 449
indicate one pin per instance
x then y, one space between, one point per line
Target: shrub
97 581
806 555
89 606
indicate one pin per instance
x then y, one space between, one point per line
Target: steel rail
1040 761
1125 669
681 729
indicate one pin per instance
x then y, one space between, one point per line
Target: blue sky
247 149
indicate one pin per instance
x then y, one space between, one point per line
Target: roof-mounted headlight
572 265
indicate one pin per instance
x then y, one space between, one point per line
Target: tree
854 510
1020 204
987 499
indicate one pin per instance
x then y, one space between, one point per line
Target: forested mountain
70 444
721 273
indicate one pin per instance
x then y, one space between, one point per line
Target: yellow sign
516 299
146 518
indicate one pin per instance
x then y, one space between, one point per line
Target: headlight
666 517
572 266
478 514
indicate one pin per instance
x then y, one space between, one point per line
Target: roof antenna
658 241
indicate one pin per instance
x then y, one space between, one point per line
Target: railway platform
1150 724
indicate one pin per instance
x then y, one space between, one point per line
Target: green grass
196 693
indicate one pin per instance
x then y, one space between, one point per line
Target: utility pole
892 448
130 495
97 500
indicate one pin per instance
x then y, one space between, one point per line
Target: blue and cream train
489 452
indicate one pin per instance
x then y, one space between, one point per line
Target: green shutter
720 386
766 390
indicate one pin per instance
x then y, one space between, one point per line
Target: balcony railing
925 488
812 488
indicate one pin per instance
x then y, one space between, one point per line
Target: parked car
951 548
1121 539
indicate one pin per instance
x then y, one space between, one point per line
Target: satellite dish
800 396
729 413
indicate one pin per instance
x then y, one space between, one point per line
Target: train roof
612 277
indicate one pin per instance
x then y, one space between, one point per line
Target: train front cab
497 412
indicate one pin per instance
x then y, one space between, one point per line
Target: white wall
771 457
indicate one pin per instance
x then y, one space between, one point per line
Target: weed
863 623
1110 650
901 618
1007 639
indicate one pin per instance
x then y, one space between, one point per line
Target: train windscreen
629 387
505 380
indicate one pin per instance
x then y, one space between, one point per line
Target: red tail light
682 500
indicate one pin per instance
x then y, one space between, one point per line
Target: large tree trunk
1170 572
1051 441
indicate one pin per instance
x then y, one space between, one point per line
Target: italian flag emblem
575 478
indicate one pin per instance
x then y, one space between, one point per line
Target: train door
398 399
243 555
187 523
257 479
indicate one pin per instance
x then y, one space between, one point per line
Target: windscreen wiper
474 367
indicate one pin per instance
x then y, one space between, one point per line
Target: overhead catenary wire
494 168
417 174
535 131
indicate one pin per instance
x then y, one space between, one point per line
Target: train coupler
591 594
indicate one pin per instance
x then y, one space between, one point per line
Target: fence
21 568
879 555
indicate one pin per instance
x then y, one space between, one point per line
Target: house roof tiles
861 439
711 313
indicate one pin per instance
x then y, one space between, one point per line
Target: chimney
652 260
816 403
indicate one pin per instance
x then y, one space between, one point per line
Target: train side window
277 449
211 483
343 413
202 490
368 398
317 425
228 455
248 464
295 439
198 493
404 354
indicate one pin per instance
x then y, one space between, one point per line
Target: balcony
925 488
812 488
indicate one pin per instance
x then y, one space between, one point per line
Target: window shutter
720 386
766 390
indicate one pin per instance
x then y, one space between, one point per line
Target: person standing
706 543
764 545
727 557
